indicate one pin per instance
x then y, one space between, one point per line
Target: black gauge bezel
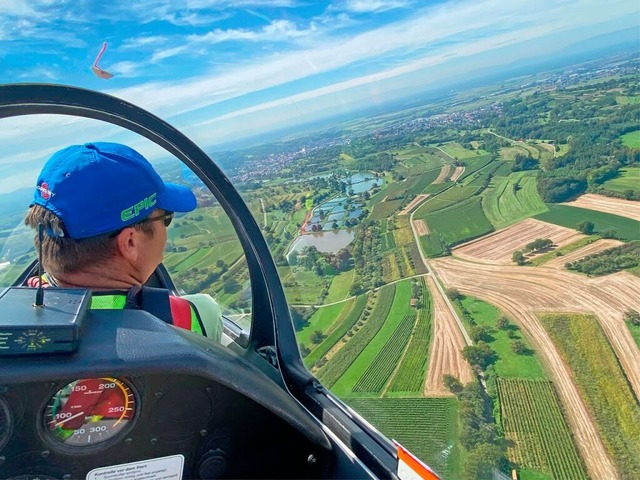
88 449
4 437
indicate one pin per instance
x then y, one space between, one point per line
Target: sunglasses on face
167 218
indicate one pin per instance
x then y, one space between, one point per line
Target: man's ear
128 242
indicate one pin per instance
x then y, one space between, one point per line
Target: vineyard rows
426 426
533 421
410 376
344 357
379 371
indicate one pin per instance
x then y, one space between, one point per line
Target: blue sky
221 70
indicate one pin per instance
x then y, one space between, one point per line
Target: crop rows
379 371
344 357
426 426
532 419
603 385
410 375
340 331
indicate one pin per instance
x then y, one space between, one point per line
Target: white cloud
143 41
365 6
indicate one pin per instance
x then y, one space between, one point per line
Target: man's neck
99 278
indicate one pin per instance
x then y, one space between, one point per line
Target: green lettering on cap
134 210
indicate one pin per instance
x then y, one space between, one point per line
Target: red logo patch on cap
44 191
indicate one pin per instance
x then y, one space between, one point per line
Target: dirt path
522 292
446 347
616 206
590 249
421 227
444 173
420 198
456 173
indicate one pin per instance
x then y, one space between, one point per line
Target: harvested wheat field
498 247
616 206
419 199
456 173
444 174
446 346
521 292
421 227
591 249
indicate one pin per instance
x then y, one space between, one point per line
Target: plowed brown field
522 291
444 173
446 347
616 206
498 247
456 173
421 227
413 203
590 249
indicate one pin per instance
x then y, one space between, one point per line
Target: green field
509 364
540 439
358 338
631 139
566 216
458 223
629 179
510 199
410 376
455 150
340 284
602 383
395 318
351 315
322 320
428 427
384 210
301 286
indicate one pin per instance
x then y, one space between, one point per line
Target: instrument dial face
89 411
6 424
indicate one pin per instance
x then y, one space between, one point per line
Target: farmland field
351 317
382 348
410 375
357 342
603 385
625 228
532 420
512 199
456 150
615 206
629 179
631 139
428 427
458 223
339 288
322 320
509 363
499 246
384 209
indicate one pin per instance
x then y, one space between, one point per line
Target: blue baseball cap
102 187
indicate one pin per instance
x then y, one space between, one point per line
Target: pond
329 242
362 182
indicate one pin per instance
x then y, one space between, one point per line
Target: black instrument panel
188 397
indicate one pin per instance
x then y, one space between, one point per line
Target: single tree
586 227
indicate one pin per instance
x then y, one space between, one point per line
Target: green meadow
566 216
629 179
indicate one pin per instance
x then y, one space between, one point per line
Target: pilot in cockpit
104 213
